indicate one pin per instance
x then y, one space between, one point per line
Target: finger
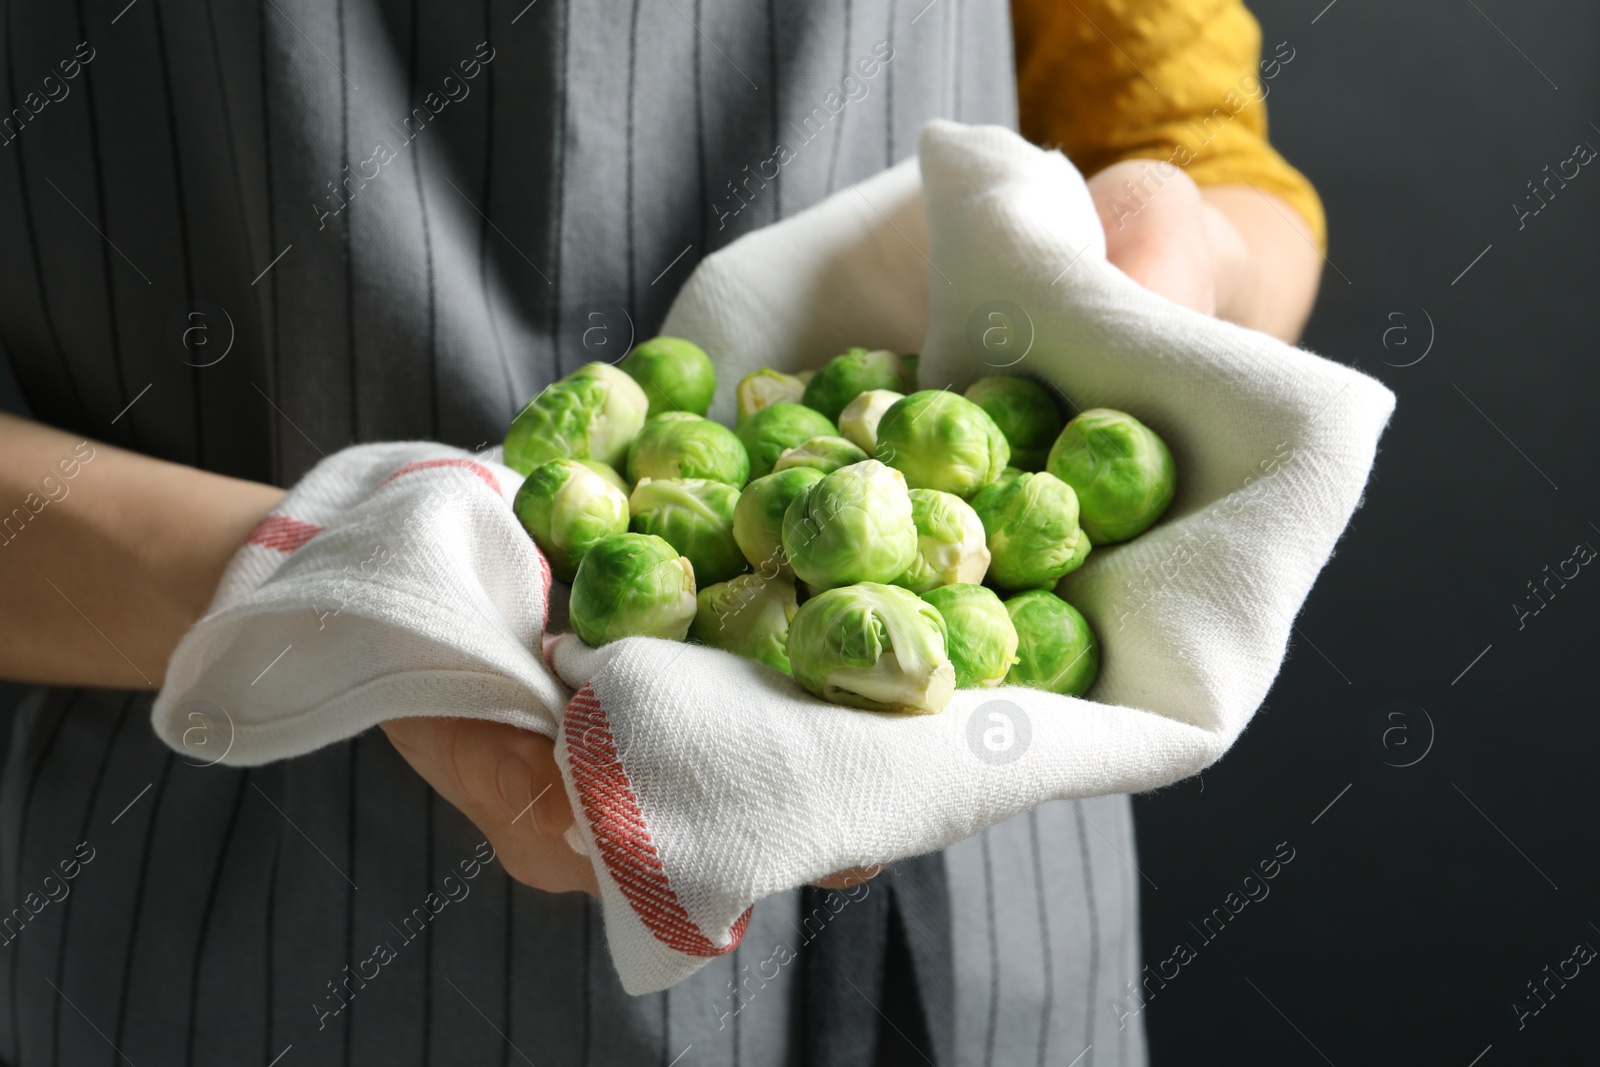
495 770
528 780
846 878
505 780
1156 231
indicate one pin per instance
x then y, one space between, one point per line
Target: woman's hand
1225 250
506 781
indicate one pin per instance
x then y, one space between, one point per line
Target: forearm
1266 258
102 570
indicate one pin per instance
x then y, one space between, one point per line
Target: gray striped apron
242 236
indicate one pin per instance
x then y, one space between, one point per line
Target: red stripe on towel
623 838
282 533
465 464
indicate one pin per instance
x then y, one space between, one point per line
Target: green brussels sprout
951 544
1033 532
872 646
764 387
758 517
1025 413
632 585
853 526
609 473
1121 470
567 509
843 378
981 639
593 413
676 375
748 615
680 445
1080 553
776 427
694 516
1056 649
826 454
942 440
859 419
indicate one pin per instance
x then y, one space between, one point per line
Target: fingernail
516 784
551 812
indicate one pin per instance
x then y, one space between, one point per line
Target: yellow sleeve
1179 80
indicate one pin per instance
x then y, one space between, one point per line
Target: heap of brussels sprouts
884 546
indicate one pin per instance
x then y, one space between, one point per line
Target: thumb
507 782
501 777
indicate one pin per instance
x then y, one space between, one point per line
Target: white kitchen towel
393 580
703 782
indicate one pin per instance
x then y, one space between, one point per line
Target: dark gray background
1417 906
1408 922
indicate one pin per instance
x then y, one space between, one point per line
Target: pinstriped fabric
159 16
33 331
146 910
532 217
1092 908
1044 913
100 212
199 955
123 718
24 766
232 966
55 182
349 216
271 371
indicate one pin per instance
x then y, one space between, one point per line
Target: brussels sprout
859 419
1032 527
1025 413
1123 473
749 616
694 516
593 413
853 526
632 585
1080 553
777 427
980 637
609 473
675 374
942 440
1056 649
826 454
843 378
758 517
567 509
950 542
765 387
681 445
872 646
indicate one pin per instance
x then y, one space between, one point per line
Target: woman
236 240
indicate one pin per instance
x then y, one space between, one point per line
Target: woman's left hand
1224 250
